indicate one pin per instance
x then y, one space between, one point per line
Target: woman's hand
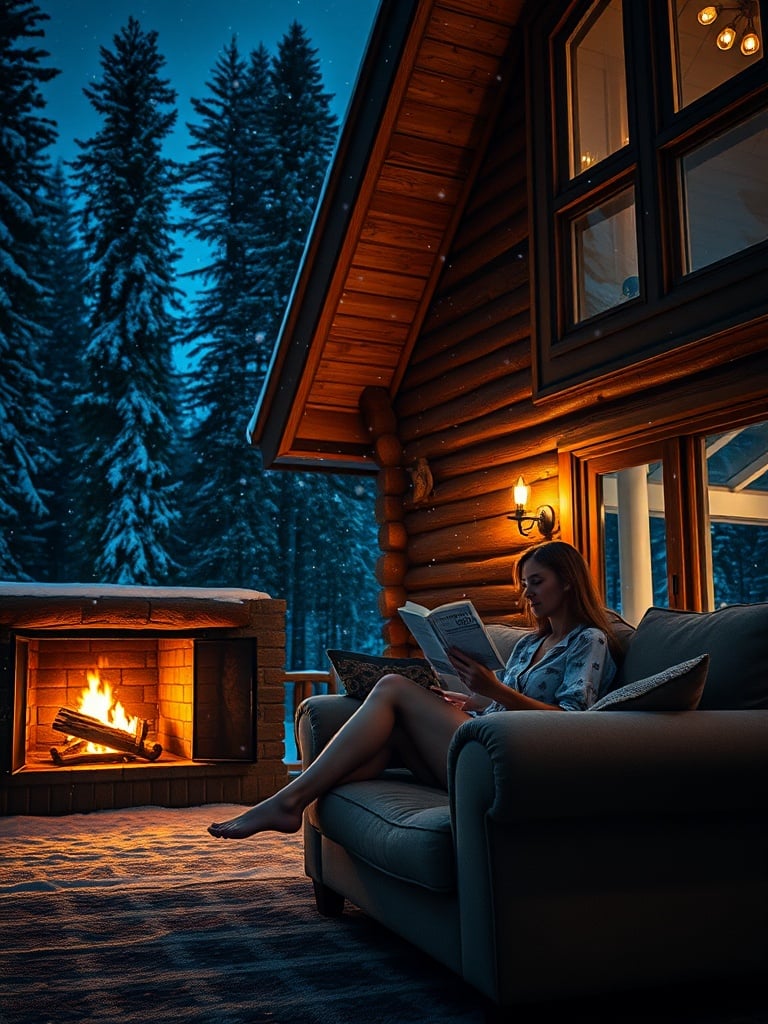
486 686
476 677
459 700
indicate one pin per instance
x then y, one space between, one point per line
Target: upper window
649 146
710 44
597 86
724 198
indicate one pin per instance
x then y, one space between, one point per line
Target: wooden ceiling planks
429 140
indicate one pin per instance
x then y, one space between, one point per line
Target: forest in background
119 467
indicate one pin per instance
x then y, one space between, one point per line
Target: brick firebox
50 632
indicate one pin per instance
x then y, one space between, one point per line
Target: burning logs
77 752
91 730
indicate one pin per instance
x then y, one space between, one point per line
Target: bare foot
270 815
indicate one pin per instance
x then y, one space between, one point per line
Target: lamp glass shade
520 491
750 44
707 15
727 38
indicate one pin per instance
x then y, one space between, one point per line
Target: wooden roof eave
374 255
331 232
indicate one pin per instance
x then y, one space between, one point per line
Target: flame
97 701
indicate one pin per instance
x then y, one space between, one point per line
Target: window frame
681 448
673 311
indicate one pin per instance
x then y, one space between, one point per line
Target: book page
432 648
459 625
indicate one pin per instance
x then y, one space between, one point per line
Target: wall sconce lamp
545 518
745 10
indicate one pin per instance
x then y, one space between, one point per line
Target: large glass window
737 484
711 44
680 522
598 88
604 243
725 193
649 149
635 547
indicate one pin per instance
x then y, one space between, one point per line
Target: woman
562 666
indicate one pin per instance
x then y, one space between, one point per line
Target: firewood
77 753
71 750
73 723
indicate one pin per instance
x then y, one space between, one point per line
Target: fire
97 701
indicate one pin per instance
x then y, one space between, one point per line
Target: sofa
615 849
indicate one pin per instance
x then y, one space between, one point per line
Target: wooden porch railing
305 684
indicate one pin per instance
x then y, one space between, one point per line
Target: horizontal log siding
469 372
465 403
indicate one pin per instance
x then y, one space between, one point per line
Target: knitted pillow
678 688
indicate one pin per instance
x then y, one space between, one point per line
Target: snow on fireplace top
97 590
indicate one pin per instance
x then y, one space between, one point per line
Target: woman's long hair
571 569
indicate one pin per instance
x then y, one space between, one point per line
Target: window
725 199
737 489
680 522
604 254
649 146
700 62
635 545
598 95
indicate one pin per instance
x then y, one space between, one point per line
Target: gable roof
419 120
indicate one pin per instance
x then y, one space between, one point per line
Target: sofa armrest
563 765
318 719
601 825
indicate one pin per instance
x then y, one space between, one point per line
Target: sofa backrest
505 636
735 637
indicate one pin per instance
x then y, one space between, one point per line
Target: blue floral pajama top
573 674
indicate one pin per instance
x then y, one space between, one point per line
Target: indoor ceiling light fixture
744 11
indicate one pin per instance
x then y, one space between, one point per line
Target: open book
455 624
451 625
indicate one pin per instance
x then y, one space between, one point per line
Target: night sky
191 36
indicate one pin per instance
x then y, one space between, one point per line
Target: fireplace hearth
188 683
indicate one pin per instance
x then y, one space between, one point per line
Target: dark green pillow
735 637
678 688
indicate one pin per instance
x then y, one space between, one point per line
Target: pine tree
263 140
229 507
65 316
25 415
304 132
325 526
127 415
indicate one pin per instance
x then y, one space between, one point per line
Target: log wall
465 406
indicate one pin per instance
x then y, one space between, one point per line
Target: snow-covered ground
136 846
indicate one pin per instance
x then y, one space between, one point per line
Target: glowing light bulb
727 38
520 491
750 44
707 15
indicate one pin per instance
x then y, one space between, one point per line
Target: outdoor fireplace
119 696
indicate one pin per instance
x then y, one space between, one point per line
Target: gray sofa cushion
678 688
505 636
403 829
735 637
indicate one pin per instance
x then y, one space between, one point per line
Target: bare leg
358 750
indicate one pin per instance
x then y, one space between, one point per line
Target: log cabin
541 253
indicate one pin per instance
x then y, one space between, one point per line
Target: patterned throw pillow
678 688
359 673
